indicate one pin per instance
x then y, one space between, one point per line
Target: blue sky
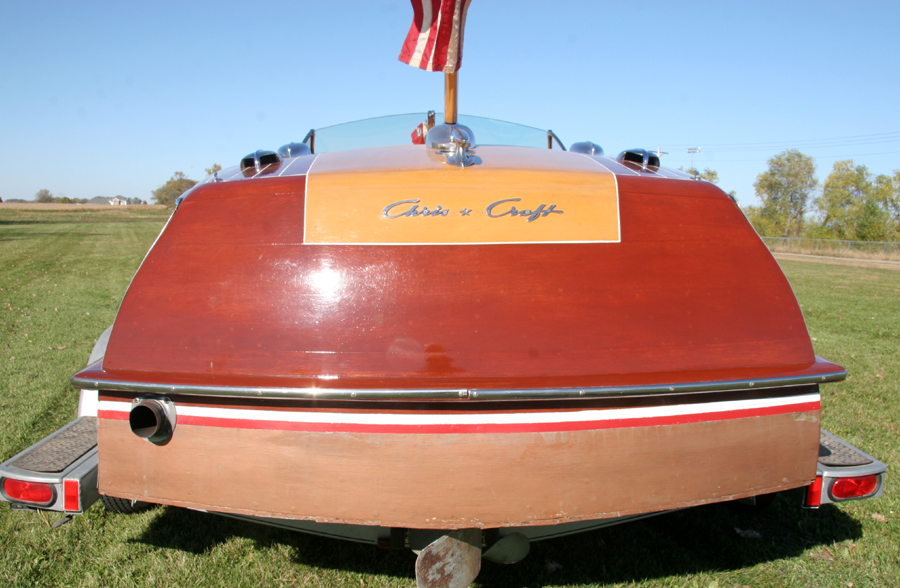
112 98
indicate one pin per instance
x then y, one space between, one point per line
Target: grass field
63 274
887 251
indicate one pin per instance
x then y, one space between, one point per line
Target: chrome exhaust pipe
152 419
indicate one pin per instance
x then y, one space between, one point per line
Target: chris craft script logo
498 209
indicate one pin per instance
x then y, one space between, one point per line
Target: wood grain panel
230 292
458 481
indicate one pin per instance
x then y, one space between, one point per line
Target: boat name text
494 210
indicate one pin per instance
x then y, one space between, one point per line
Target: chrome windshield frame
396 130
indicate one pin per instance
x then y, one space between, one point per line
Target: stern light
33 492
855 487
439 137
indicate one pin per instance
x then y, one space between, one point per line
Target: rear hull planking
445 468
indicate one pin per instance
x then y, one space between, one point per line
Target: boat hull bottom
381 536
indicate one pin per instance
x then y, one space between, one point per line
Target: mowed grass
63 274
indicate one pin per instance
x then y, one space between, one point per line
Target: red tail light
33 492
70 495
844 488
814 493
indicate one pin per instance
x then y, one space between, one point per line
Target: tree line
177 185
165 194
852 204
45 196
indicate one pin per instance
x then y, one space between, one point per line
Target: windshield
398 129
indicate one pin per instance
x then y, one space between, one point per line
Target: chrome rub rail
454 393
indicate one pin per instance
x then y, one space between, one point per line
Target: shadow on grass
14 235
13 222
76 220
25 218
198 533
693 541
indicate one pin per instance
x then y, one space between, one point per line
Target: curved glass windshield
398 130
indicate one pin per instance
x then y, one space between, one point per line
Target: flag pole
450 98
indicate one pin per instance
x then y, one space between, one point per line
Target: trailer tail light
33 492
856 487
70 495
814 493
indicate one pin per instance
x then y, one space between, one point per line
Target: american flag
435 39
418 135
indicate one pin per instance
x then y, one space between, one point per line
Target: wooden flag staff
450 98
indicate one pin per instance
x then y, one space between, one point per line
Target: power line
847 141
781 147
843 156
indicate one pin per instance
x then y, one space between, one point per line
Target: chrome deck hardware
454 141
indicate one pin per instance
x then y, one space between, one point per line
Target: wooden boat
330 359
449 346
372 343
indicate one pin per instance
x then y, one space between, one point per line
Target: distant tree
843 202
887 193
177 185
784 190
43 195
211 170
710 175
856 206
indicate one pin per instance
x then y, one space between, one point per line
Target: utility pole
693 150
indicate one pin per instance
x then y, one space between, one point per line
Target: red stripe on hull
438 429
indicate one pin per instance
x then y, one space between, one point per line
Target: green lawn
62 276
